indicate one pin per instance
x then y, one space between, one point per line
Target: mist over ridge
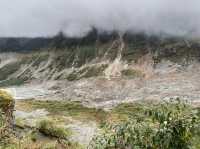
76 18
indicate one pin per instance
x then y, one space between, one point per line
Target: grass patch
49 128
72 109
131 73
125 111
20 123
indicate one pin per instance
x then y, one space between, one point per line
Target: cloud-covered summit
77 17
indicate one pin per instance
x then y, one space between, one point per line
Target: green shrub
48 128
33 136
20 123
170 125
72 109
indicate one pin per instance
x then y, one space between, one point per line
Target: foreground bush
6 116
171 125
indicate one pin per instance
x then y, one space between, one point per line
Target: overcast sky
77 17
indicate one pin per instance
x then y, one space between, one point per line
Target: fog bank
76 17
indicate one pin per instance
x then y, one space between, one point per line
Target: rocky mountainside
105 70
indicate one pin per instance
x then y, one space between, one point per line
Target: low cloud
77 17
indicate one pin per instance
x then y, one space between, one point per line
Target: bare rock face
6 113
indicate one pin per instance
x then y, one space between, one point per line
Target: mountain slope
107 73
